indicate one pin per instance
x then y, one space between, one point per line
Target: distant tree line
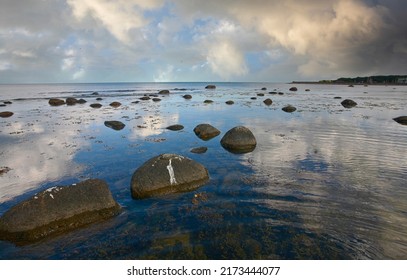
389 79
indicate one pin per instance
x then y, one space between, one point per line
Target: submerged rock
401 120
268 101
145 98
210 87
239 140
7 102
57 210
156 99
199 150
116 125
99 99
96 105
260 94
207 101
264 88
206 131
167 173
175 127
6 114
115 104
289 109
337 97
348 103
56 102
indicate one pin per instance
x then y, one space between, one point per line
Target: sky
44 41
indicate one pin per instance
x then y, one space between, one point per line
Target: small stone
280 93
164 91
230 102
199 150
116 125
187 96
260 94
307 89
264 88
208 101
145 98
99 99
6 114
293 89
96 105
289 109
156 99
95 93
273 92
81 101
8 102
175 127
210 87
115 104
268 101
337 97
253 98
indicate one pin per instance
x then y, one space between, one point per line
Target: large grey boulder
167 173
239 140
58 209
206 131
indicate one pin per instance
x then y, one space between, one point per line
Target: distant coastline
370 80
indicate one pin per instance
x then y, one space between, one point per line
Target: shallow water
324 182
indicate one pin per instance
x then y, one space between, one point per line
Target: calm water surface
324 182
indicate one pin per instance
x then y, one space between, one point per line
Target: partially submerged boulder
96 105
56 102
57 210
70 101
210 87
116 125
115 104
199 150
401 120
6 114
206 131
348 103
293 88
175 127
268 101
167 173
164 91
289 109
239 140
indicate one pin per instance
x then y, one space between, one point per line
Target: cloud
135 40
118 17
226 60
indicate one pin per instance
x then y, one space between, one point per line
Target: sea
324 182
